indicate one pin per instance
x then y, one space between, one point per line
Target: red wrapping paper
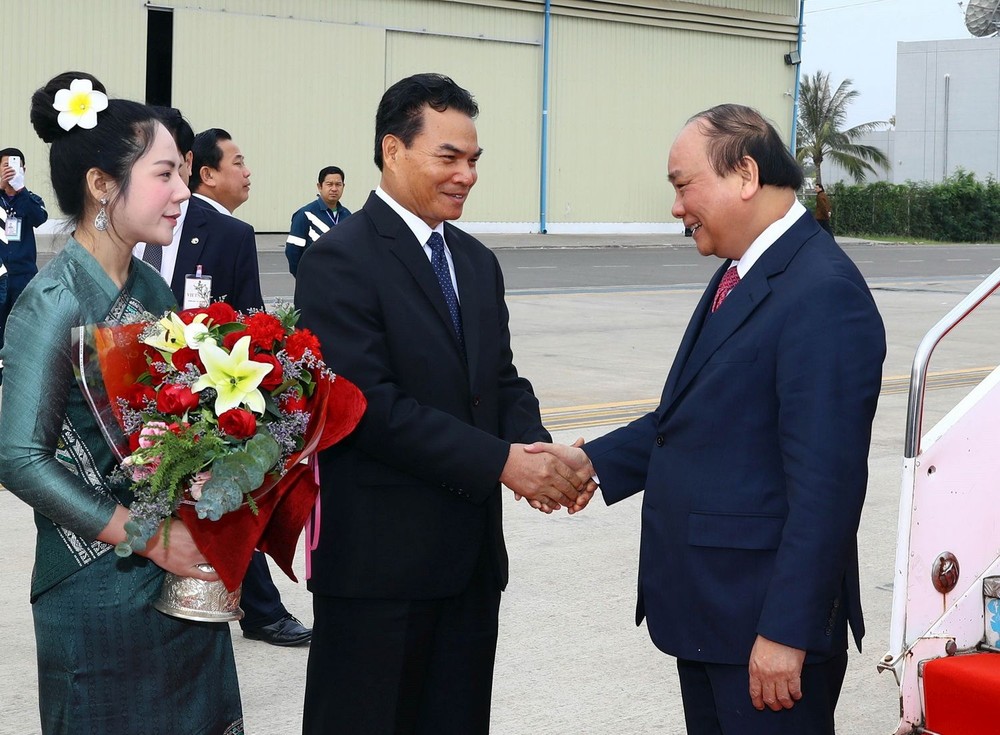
110 359
282 508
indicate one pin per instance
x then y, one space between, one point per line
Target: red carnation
274 378
265 331
301 340
232 338
221 313
175 399
185 356
238 423
293 400
138 395
133 443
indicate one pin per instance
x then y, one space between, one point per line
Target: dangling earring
101 220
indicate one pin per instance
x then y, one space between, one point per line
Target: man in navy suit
754 465
222 247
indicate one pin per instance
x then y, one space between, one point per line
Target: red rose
175 399
138 395
187 316
133 443
293 400
232 338
274 378
221 313
265 331
184 356
238 423
301 340
157 372
156 364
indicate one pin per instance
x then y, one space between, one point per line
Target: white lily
233 375
176 334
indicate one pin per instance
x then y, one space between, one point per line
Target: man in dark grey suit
410 561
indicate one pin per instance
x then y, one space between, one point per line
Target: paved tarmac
570 660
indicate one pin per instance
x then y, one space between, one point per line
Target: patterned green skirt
110 664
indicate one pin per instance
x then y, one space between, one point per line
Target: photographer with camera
20 213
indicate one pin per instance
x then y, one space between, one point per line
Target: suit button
475 401
659 440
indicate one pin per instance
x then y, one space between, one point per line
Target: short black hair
206 152
180 129
12 152
737 131
327 170
401 111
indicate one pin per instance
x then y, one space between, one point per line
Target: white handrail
922 358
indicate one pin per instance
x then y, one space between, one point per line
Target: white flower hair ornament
79 105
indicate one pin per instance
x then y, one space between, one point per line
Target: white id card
12 229
197 291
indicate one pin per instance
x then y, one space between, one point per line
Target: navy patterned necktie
440 264
153 254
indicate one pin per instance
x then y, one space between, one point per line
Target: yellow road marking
622 412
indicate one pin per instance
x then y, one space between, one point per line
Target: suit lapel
718 327
410 253
740 304
694 328
194 236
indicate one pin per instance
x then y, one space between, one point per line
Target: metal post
544 163
947 103
798 76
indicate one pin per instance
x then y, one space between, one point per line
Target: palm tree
821 119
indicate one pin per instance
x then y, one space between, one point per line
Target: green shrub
959 209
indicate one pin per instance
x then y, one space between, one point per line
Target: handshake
550 476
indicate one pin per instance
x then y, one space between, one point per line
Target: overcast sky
856 39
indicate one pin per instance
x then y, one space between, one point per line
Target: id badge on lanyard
12 227
197 290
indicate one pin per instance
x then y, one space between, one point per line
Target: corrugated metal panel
418 16
620 94
774 7
620 90
44 39
774 19
506 81
308 103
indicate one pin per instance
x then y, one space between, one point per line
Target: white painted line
536 267
680 265
864 261
911 261
958 260
610 266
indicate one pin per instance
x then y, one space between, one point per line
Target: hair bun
44 116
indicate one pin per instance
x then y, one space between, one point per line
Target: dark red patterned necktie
729 280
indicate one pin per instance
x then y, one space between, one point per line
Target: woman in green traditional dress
108 662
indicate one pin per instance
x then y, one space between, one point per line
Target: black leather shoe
286 632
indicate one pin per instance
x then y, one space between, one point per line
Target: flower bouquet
211 413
